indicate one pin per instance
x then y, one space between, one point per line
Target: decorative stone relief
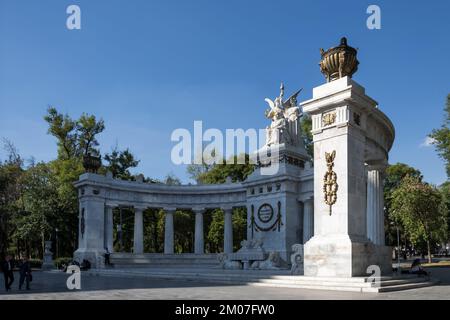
328 119
330 185
276 225
297 259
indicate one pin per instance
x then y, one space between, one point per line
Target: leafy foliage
75 138
306 127
119 163
441 138
421 209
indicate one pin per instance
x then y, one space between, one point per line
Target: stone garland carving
275 226
82 223
330 186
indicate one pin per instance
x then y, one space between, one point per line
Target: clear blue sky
149 67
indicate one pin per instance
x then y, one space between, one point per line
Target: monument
328 215
352 138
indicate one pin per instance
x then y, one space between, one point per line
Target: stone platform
279 278
129 260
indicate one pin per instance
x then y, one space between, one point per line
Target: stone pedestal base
342 257
48 264
96 258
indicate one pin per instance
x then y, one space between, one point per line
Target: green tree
230 168
119 163
421 209
306 127
445 190
441 138
75 138
11 204
394 175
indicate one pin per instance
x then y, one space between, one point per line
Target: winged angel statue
285 115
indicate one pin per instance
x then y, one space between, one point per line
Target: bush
35 263
63 260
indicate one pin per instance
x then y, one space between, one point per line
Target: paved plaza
52 285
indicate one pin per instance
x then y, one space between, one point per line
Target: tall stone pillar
228 230
375 206
168 230
138 247
91 239
308 220
348 130
199 243
109 226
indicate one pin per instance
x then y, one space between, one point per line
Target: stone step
407 286
339 284
132 260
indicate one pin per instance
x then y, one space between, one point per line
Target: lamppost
56 233
119 230
398 243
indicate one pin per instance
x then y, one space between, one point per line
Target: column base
341 257
95 257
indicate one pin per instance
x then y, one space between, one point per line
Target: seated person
416 268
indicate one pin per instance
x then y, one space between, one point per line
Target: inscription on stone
265 213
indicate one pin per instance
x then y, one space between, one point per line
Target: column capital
111 205
376 165
198 210
227 209
169 210
139 207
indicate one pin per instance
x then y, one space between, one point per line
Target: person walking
8 273
25 274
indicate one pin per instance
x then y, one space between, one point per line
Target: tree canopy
441 137
421 209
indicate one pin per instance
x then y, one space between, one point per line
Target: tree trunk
429 251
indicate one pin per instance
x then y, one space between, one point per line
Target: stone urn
339 62
92 163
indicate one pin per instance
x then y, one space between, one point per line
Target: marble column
138 247
381 234
308 220
369 206
375 207
109 226
228 230
199 243
168 230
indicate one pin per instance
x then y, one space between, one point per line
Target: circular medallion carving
265 213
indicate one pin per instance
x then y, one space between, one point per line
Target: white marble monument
352 138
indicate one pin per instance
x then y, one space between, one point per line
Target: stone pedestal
349 131
48 263
274 214
91 229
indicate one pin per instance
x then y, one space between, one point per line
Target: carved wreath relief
328 119
330 186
